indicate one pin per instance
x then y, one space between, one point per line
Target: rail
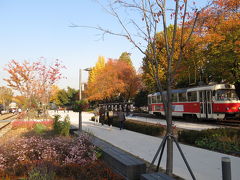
5 125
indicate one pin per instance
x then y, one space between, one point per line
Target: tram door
205 98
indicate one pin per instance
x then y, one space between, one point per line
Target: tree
212 54
96 69
6 96
125 56
117 79
54 93
154 12
131 80
219 28
107 83
141 98
72 96
62 98
33 80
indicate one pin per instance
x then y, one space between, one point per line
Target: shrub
18 155
61 127
56 124
66 126
41 173
39 128
216 145
141 127
188 136
225 140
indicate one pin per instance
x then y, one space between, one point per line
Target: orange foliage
33 80
116 78
219 19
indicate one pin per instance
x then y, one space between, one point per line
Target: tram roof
197 88
173 91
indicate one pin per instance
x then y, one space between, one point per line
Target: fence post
226 168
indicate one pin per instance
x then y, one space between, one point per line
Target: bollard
226 168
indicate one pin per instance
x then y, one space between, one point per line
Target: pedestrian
127 110
96 115
110 117
19 110
121 118
102 115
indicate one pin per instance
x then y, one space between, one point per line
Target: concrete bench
122 162
156 176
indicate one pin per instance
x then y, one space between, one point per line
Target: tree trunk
169 165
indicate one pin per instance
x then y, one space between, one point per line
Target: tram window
209 97
226 94
154 99
174 97
214 93
201 96
182 97
158 98
149 100
192 96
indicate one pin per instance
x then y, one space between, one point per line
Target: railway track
5 123
229 123
223 123
7 116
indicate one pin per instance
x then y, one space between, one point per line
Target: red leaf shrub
17 153
30 124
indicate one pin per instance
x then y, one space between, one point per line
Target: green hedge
225 140
141 127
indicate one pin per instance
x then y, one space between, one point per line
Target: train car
218 101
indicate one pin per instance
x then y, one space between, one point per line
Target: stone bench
120 161
156 176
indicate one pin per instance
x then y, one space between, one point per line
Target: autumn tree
219 29
96 69
54 93
118 79
130 78
107 83
33 80
6 96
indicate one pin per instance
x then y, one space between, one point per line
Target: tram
218 102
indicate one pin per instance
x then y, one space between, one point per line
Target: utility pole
80 98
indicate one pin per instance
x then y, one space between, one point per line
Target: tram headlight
239 108
227 108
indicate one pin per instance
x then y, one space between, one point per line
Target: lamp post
80 97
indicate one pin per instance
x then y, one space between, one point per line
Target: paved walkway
205 164
178 124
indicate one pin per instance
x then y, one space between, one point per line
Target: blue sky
40 28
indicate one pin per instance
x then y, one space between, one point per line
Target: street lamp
80 96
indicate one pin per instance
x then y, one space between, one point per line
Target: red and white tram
217 101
